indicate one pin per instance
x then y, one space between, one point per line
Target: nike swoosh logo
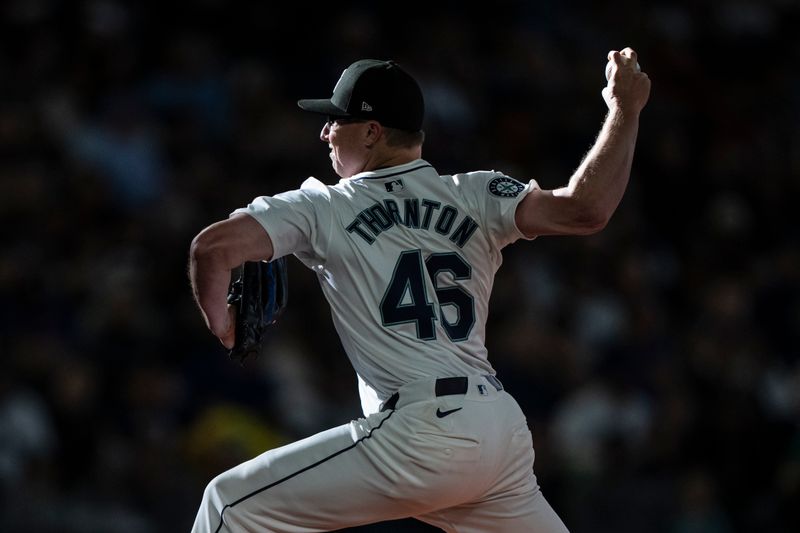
442 414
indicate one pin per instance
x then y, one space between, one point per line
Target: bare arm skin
216 251
594 191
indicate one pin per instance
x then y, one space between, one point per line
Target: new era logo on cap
375 90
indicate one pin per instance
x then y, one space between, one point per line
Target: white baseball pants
460 461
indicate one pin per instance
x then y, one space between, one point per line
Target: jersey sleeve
296 221
496 197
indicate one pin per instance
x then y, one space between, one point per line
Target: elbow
200 248
206 248
591 221
580 214
227 244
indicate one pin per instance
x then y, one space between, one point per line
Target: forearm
595 189
209 275
600 180
216 251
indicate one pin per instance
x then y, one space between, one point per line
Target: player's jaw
345 151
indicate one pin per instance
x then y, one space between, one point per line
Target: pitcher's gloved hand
259 296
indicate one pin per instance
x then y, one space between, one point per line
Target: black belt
446 387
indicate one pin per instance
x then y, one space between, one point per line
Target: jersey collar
387 172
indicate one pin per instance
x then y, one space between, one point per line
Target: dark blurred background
658 362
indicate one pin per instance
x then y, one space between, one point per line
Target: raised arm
216 251
594 191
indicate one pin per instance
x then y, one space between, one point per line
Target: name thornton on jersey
415 213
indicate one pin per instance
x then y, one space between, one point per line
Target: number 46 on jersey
406 299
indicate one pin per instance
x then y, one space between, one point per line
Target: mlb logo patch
395 186
482 390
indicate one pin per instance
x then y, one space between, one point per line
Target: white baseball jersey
406 259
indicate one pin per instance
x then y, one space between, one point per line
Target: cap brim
322 106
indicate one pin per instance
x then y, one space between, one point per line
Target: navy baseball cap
374 90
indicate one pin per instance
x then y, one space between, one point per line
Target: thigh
367 471
510 514
512 502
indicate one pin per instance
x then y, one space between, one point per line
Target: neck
393 158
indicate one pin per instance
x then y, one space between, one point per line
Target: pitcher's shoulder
492 182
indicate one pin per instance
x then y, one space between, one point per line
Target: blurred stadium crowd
658 361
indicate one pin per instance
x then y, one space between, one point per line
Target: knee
226 503
216 497
218 491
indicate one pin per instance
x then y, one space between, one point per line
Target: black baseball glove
259 295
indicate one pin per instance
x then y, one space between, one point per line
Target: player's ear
372 133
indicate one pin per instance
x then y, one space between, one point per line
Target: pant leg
371 470
276 490
530 513
513 502
461 462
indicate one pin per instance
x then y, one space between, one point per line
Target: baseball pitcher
406 258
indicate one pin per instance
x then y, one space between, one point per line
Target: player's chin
337 166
